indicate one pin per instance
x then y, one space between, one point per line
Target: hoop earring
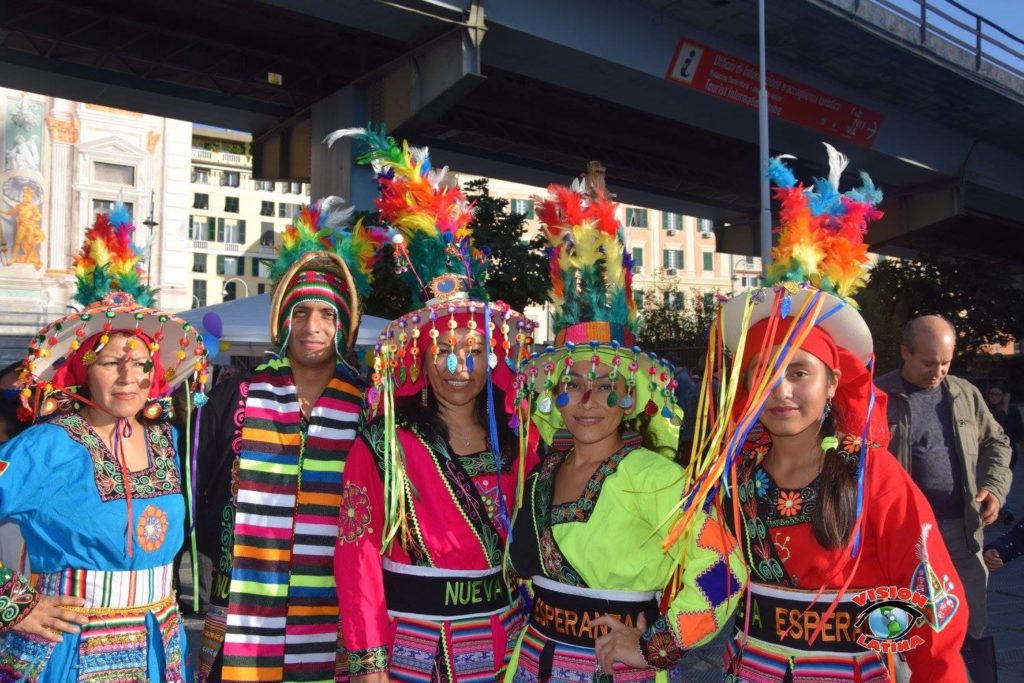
425 396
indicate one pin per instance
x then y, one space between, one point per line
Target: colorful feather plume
110 261
428 210
325 226
821 231
591 270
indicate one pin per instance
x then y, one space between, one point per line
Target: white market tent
246 325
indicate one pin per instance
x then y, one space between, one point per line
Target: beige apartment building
234 220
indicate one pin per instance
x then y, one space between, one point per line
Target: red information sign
716 73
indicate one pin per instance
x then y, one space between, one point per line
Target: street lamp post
224 292
150 223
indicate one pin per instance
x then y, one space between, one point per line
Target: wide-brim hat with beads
115 300
445 271
324 258
594 319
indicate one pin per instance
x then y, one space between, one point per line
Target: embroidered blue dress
64 487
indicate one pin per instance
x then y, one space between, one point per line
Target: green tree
519 272
976 297
674 321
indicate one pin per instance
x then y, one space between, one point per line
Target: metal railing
985 41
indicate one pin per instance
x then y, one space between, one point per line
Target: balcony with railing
217 157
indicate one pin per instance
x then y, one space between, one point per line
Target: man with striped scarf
272 451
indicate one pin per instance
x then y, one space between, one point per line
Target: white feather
579 185
335 214
837 163
343 133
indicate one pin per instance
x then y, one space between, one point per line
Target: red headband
855 380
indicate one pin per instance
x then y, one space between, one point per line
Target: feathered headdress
326 258
110 261
431 217
591 270
594 320
438 261
821 232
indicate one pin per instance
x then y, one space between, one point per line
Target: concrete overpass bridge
528 90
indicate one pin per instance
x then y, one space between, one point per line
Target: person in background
944 435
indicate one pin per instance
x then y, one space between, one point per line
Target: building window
671 221
198 262
638 299
672 258
229 265
266 186
261 288
198 293
750 281
200 201
675 300
107 205
266 208
709 300
636 218
115 174
230 178
709 260
523 207
266 234
230 231
231 204
705 226
289 211
638 259
200 175
294 188
200 228
260 267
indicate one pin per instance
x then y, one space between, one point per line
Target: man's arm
994 473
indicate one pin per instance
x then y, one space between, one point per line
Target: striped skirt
574 664
766 663
472 650
134 632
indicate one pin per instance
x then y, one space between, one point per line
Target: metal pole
762 137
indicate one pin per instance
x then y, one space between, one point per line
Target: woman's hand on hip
49 618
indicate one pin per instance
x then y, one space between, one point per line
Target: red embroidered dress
455 537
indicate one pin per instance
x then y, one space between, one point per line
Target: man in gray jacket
945 436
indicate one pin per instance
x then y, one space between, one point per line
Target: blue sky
1008 14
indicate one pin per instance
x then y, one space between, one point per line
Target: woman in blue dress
95 483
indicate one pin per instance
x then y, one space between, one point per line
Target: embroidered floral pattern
16 598
368 661
789 503
159 479
355 513
152 528
658 646
580 509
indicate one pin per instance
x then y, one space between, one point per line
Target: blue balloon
213 324
212 345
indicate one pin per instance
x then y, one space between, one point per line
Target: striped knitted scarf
283 611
